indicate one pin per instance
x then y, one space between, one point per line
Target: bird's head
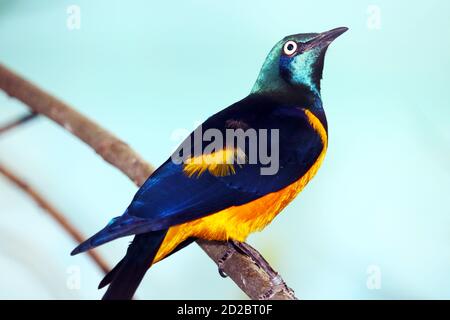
296 61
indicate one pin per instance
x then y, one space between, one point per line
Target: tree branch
18 122
251 279
54 213
110 148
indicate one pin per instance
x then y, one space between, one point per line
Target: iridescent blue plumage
287 86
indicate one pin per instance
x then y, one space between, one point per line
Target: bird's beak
324 39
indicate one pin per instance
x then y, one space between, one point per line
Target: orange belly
239 221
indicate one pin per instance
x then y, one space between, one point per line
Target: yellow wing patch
219 163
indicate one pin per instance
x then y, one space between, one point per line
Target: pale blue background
146 70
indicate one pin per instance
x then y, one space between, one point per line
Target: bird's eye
290 47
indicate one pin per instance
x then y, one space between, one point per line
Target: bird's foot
225 257
278 285
257 258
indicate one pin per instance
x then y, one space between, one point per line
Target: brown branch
110 148
252 280
18 122
54 213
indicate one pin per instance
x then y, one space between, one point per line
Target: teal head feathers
296 61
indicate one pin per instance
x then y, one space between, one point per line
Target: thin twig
242 270
18 122
54 213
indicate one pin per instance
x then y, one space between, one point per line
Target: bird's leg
225 257
275 279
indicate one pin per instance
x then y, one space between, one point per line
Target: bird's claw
221 261
278 285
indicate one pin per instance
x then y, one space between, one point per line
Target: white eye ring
290 47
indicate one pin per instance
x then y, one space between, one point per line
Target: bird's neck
270 83
297 97
270 80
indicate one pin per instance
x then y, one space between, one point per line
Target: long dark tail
126 276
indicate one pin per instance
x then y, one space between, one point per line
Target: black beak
324 39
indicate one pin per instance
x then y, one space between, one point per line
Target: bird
218 193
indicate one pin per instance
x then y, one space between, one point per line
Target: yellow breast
239 221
